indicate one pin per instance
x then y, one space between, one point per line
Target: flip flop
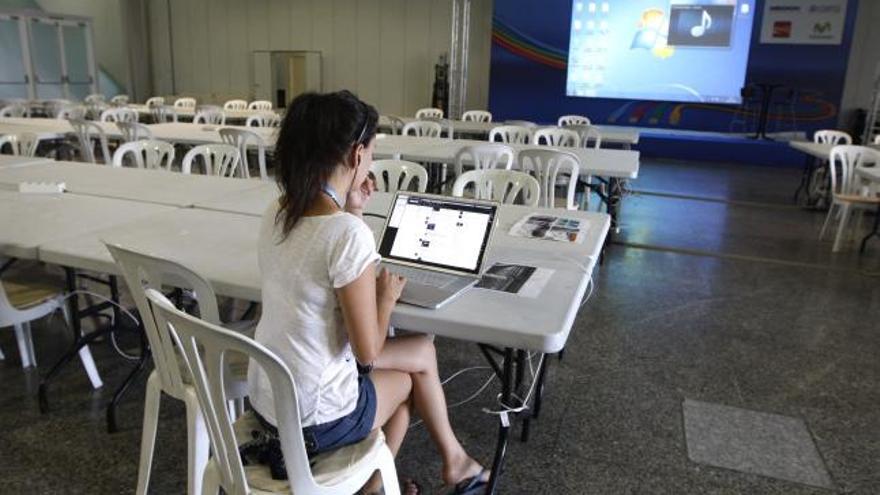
470 486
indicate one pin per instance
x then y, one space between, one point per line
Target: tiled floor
735 304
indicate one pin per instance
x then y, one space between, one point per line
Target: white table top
602 162
870 173
190 112
222 247
610 133
188 133
50 128
30 220
12 161
151 186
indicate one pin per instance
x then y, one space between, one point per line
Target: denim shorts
349 429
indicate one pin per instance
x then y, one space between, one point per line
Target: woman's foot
462 469
408 486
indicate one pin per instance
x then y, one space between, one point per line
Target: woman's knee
427 353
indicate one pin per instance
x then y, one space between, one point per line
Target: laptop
438 243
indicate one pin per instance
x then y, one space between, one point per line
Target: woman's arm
366 305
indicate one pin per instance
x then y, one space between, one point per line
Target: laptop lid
438 232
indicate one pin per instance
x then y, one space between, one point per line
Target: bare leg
415 354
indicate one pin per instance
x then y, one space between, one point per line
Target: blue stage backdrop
530 43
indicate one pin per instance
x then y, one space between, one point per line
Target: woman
326 307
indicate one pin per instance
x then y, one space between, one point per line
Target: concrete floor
726 299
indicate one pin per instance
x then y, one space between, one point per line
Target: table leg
536 405
804 185
874 232
504 423
75 326
112 426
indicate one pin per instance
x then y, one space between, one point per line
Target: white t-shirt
301 320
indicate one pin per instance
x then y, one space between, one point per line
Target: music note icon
705 23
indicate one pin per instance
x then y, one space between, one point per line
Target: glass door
14 80
76 46
46 59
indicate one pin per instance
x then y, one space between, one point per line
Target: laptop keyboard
423 277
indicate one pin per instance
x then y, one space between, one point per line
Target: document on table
525 281
549 227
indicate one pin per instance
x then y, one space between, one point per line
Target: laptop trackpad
427 296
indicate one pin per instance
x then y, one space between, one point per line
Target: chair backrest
141 272
221 160
572 120
185 102
164 113
235 105
484 157
511 134
119 100
21 144
263 119
260 105
395 175
205 351
134 131
447 130
85 132
119 115
548 166
429 113
590 137
876 139
556 136
477 116
521 123
396 124
422 128
843 162
210 115
503 186
69 111
155 101
13 111
147 153
828 136
243 140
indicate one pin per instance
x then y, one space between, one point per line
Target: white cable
465 401
525 403
459 372
125 311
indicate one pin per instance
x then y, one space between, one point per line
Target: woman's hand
388 287
359 195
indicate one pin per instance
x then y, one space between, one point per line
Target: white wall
384 50
863 60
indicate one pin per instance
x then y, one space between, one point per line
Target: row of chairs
579 135
484 116
189 102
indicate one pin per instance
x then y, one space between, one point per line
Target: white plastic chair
422 128
235 105
210 115
556 136
119 100
163 113
396 124
552 168
260 105
221 160
847 191
590 137
29 297
477 116
67 112
134 131
511 134
395 175
245 140
503 186
572 120
206 349
828 136
119 115
185 102
94 98
13 111
147 153
263 119
429 113
484 157
876 139
143 272
87 131
21 144
155 101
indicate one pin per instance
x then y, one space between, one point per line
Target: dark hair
316 134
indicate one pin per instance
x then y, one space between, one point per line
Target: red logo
782 29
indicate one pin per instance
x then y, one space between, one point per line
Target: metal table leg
507 386
874 232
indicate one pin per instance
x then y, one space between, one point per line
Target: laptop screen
438 231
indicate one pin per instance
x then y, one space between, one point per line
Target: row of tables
211 224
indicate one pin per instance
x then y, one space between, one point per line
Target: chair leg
23 346
211 480
2 356
148 434
198 443
841 228
827 221
30 342
85 354
390 484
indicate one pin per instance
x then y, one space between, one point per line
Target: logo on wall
819 23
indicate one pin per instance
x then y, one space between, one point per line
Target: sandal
471 486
